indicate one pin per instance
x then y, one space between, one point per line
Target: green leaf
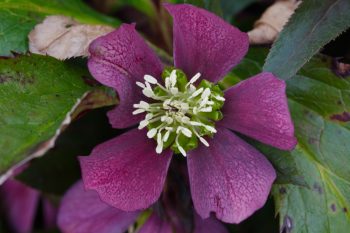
36 94
312 190
18 18
199 3
284 164
145 6
249 66
224 8
211 5
231 8
76 9
312 26
320 103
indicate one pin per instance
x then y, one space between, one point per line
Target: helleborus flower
82 211
21 204
181 110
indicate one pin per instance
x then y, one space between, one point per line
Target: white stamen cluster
174 110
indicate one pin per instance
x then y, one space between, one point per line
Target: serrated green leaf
18 18
316 97
312 26
36 93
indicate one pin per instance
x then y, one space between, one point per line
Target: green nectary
179 113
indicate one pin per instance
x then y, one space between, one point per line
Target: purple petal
126 171
155 225
83 211
258 108
20 204
205 43
230 178
50 214
208 225
118 60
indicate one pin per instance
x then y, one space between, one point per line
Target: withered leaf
272 21
62 37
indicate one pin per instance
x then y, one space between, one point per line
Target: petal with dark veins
258 108
230 178
126 171
118 60
205 43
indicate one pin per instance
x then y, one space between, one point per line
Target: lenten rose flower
82 211
182 110
21 204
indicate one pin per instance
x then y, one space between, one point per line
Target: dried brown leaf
272 21
62 37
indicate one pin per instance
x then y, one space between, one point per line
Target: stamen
219 98
148 92
204 141
167 83
149 116
143 124
193 80
207 109
173 78
192 88
159 148
178 114
174 90
187 132
210 128
197 92
206 93
138 111
144 104
152 133
140 84
166 136
201 138
181 149
150 79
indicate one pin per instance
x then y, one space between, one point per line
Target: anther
150 79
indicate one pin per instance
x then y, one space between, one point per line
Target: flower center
179 113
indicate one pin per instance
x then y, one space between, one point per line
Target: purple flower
82 211
21 204
195 118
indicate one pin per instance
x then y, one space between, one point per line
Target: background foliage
312 192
